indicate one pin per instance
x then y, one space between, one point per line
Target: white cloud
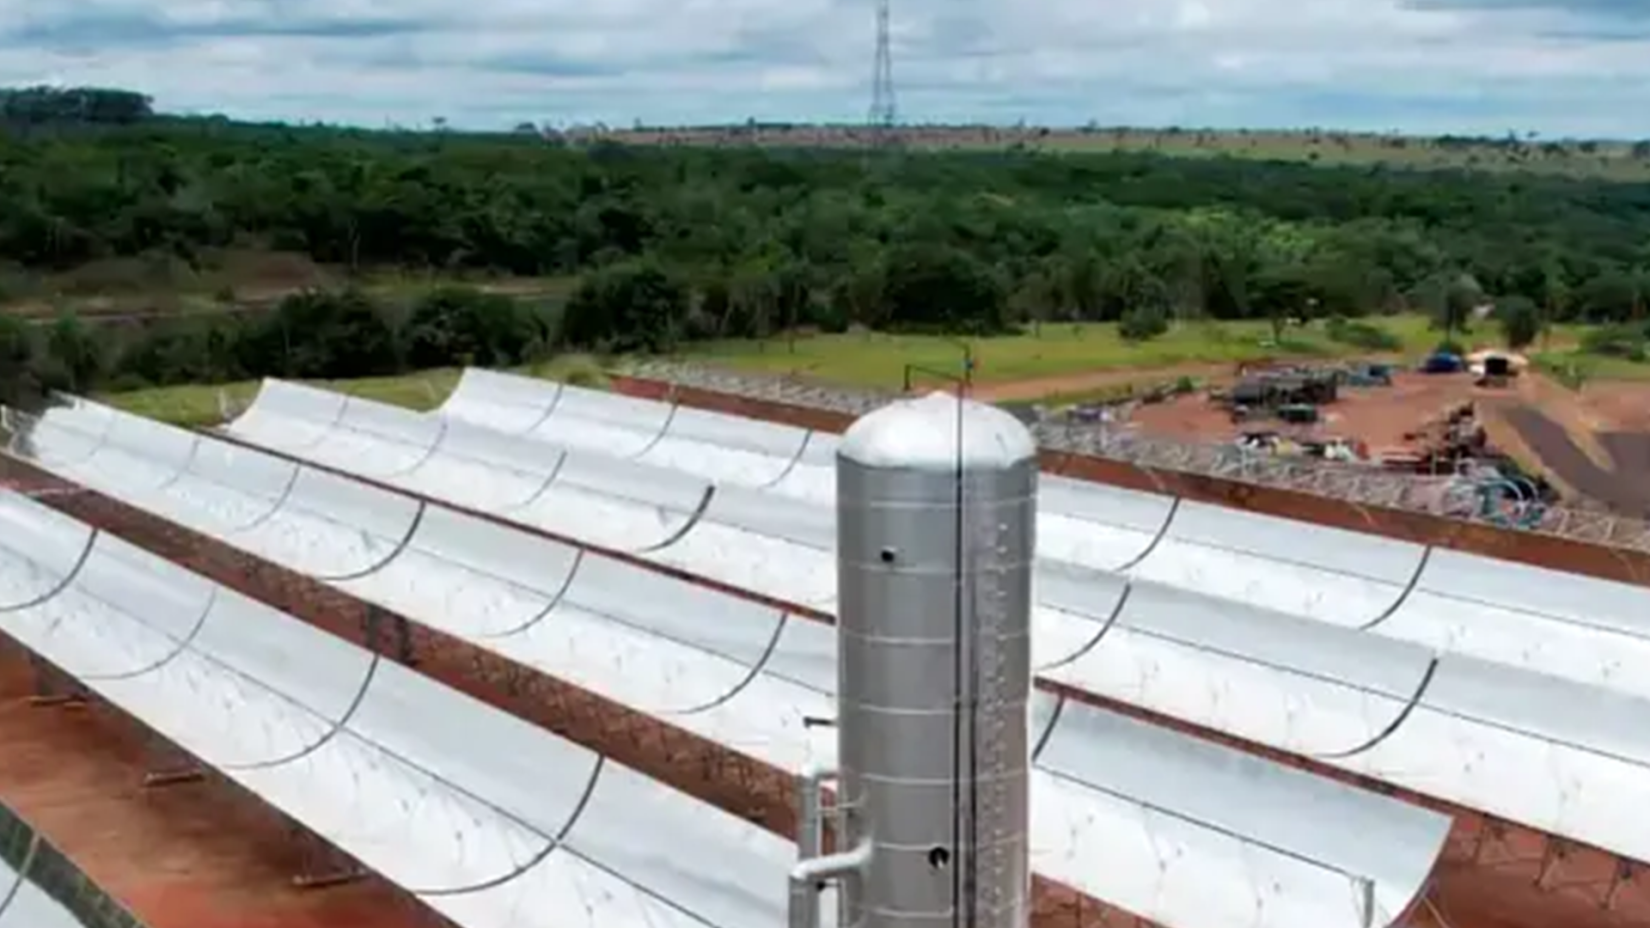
1424 65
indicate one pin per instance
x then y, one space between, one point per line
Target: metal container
936 519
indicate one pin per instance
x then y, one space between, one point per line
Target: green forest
669 245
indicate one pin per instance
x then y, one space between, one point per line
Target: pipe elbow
830 866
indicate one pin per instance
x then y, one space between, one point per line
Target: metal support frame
1627 872
963 381
168 765
53 688
1603 892
322 864
400 646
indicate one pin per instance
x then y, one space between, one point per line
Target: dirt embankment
1593 444
1567 463
1630 451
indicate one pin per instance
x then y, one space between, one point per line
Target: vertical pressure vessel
936 522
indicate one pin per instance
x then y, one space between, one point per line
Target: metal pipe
810 812
808 875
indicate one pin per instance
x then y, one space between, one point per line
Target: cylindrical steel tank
936 519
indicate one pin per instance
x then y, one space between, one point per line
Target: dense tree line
674 244
33 107
309 335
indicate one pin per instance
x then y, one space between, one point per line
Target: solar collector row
745 676
490 821
1487 684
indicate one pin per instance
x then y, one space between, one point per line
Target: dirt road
1630 452
1558 452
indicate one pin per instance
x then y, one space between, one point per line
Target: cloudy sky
1558 67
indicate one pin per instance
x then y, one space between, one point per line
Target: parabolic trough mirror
1120 808
1491 685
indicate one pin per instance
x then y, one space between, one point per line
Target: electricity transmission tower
882 84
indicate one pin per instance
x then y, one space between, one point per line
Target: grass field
1613 160
226 280
879 361
876 360
1575 368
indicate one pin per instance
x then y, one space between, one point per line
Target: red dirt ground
1564 460
1380 416
194 855
1594 443
1618 406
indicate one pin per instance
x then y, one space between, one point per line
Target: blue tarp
1443 363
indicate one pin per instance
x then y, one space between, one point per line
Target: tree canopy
678 243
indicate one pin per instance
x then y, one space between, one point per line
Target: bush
315 334
629 306
1622 340
322 335
830 316
586 374
1520 320
19 356
460 325
1571 373
1363 335
78 357
180 351
1143 323
941 289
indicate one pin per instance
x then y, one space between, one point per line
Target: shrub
1520 320
1569 372
1143 323
455 325
315 334
1622 340
178 351
829 315
630 306
19 373
78 357
1365 335
586 374
941 289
